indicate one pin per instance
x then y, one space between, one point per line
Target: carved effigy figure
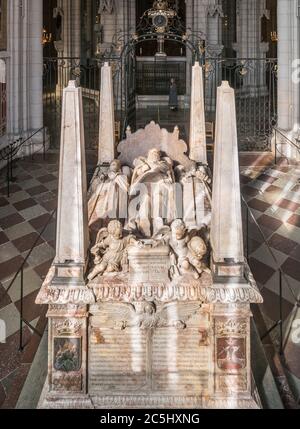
110 251
109 194
173 95
197 194
153 182
187 251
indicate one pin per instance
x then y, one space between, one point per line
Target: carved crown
67 327
231 327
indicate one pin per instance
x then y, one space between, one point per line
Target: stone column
198 150
249 44
71 31
226 227
75 28
70 45
25 71
72 218
109 12
25 66
107 117
288 71
14 70
36 64
214 49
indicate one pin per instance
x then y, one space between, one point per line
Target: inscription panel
149 269
180 361
149 264
164 360
117 361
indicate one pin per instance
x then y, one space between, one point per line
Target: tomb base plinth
122 344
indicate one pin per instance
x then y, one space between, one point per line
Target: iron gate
254 80
255 84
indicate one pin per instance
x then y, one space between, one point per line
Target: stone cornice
121 291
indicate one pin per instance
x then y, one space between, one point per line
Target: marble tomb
149 294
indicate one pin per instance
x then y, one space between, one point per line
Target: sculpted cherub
197 252
188 251
111 250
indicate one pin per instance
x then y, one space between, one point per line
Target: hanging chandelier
274 36
46 37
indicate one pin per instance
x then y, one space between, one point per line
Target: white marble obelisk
107 117
226 227
198 151
72 218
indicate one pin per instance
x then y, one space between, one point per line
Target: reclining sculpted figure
153 192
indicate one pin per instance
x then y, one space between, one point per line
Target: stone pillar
36 64
108 12
288 71
14 70
25 71
198 150
76 28
249 45
107 117
226 227
214 49
70 45
72 218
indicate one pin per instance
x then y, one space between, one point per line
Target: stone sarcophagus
161 317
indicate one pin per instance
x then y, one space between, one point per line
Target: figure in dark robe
173 97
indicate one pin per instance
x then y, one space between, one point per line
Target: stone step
280 377
262 373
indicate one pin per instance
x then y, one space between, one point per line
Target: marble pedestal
182 344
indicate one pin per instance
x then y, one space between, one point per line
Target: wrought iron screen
153 77
254 80
255 84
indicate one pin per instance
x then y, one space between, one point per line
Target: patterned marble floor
273 196
271 192
23 216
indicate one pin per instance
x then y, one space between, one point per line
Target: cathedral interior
201 94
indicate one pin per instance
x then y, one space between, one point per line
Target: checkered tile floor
274 198
23 217
273 195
